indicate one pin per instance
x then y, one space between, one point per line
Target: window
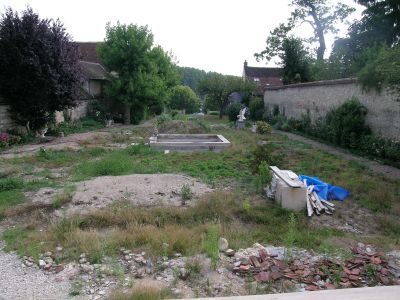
256 79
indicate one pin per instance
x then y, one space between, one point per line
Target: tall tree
217 88
295 61
321 15
379 25
142 72
191 77
39 71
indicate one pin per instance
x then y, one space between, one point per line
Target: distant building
94 73
264 77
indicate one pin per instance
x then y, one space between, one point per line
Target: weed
61 199
246 206
193 266
10 184
142 292
210 244
9 199
186 193
76 288
263 177
371 271
290 237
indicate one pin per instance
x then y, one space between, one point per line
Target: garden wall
319 97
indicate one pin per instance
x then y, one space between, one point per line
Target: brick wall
319 97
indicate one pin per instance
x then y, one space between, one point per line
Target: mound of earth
139 189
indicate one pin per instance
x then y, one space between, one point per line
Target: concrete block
290 198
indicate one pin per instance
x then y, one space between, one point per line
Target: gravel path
384 170
26 283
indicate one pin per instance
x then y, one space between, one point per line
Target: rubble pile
366 267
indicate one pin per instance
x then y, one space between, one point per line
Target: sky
213 35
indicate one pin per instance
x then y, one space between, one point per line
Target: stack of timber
317 205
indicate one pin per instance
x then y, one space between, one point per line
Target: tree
218 87
191 77
319 14
296 66
382 72
183 97
379 25
39 71
142 72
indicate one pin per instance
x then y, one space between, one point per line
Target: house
264 77
94 73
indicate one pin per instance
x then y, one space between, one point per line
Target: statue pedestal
240 124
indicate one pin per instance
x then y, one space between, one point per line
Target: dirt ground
139 189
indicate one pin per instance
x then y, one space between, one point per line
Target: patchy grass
210 244
147 292
9 199
10 184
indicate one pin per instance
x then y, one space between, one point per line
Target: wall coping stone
314 83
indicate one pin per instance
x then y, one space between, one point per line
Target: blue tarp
324 190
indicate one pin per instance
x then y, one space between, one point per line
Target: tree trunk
127 114
221 112
319 32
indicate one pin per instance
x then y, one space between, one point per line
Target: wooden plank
309 207
282 175
327 203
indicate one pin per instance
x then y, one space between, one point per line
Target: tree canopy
321 15
39 71
183 97
218 87
143 73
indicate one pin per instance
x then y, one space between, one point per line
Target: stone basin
189 142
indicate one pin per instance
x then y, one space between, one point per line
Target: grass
243 217
210 244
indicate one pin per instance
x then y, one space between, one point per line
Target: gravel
21 282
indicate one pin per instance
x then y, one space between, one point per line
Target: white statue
241 116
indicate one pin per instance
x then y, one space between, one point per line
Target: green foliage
264 153
145 73
186 193
232 110
182 97
383 71
320 14
263 177
345 124
210 244
217 88
10 184
295 61
191 77
256 108
263 127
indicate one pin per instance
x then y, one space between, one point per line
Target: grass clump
186 193
210 244
10 184
142 292
9 199
263 177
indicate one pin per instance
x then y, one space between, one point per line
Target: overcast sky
213 35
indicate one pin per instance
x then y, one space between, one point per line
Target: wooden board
294 183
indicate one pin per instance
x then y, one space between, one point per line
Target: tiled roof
93 70
262 72
87 51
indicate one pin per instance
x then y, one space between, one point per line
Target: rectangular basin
189 142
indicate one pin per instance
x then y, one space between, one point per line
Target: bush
263 127
263 177
233 110
186 193
256 107
264 153
7 140
345 124
183 97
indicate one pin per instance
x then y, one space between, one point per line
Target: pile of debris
366 267
317 205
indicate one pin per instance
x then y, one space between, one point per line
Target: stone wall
319 97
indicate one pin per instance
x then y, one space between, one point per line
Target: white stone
223 244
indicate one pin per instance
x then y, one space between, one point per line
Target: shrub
233 110
345 124
256 107
263 127
7 140
9 184
264 153
186 193
263 177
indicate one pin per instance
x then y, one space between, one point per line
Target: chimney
245 63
